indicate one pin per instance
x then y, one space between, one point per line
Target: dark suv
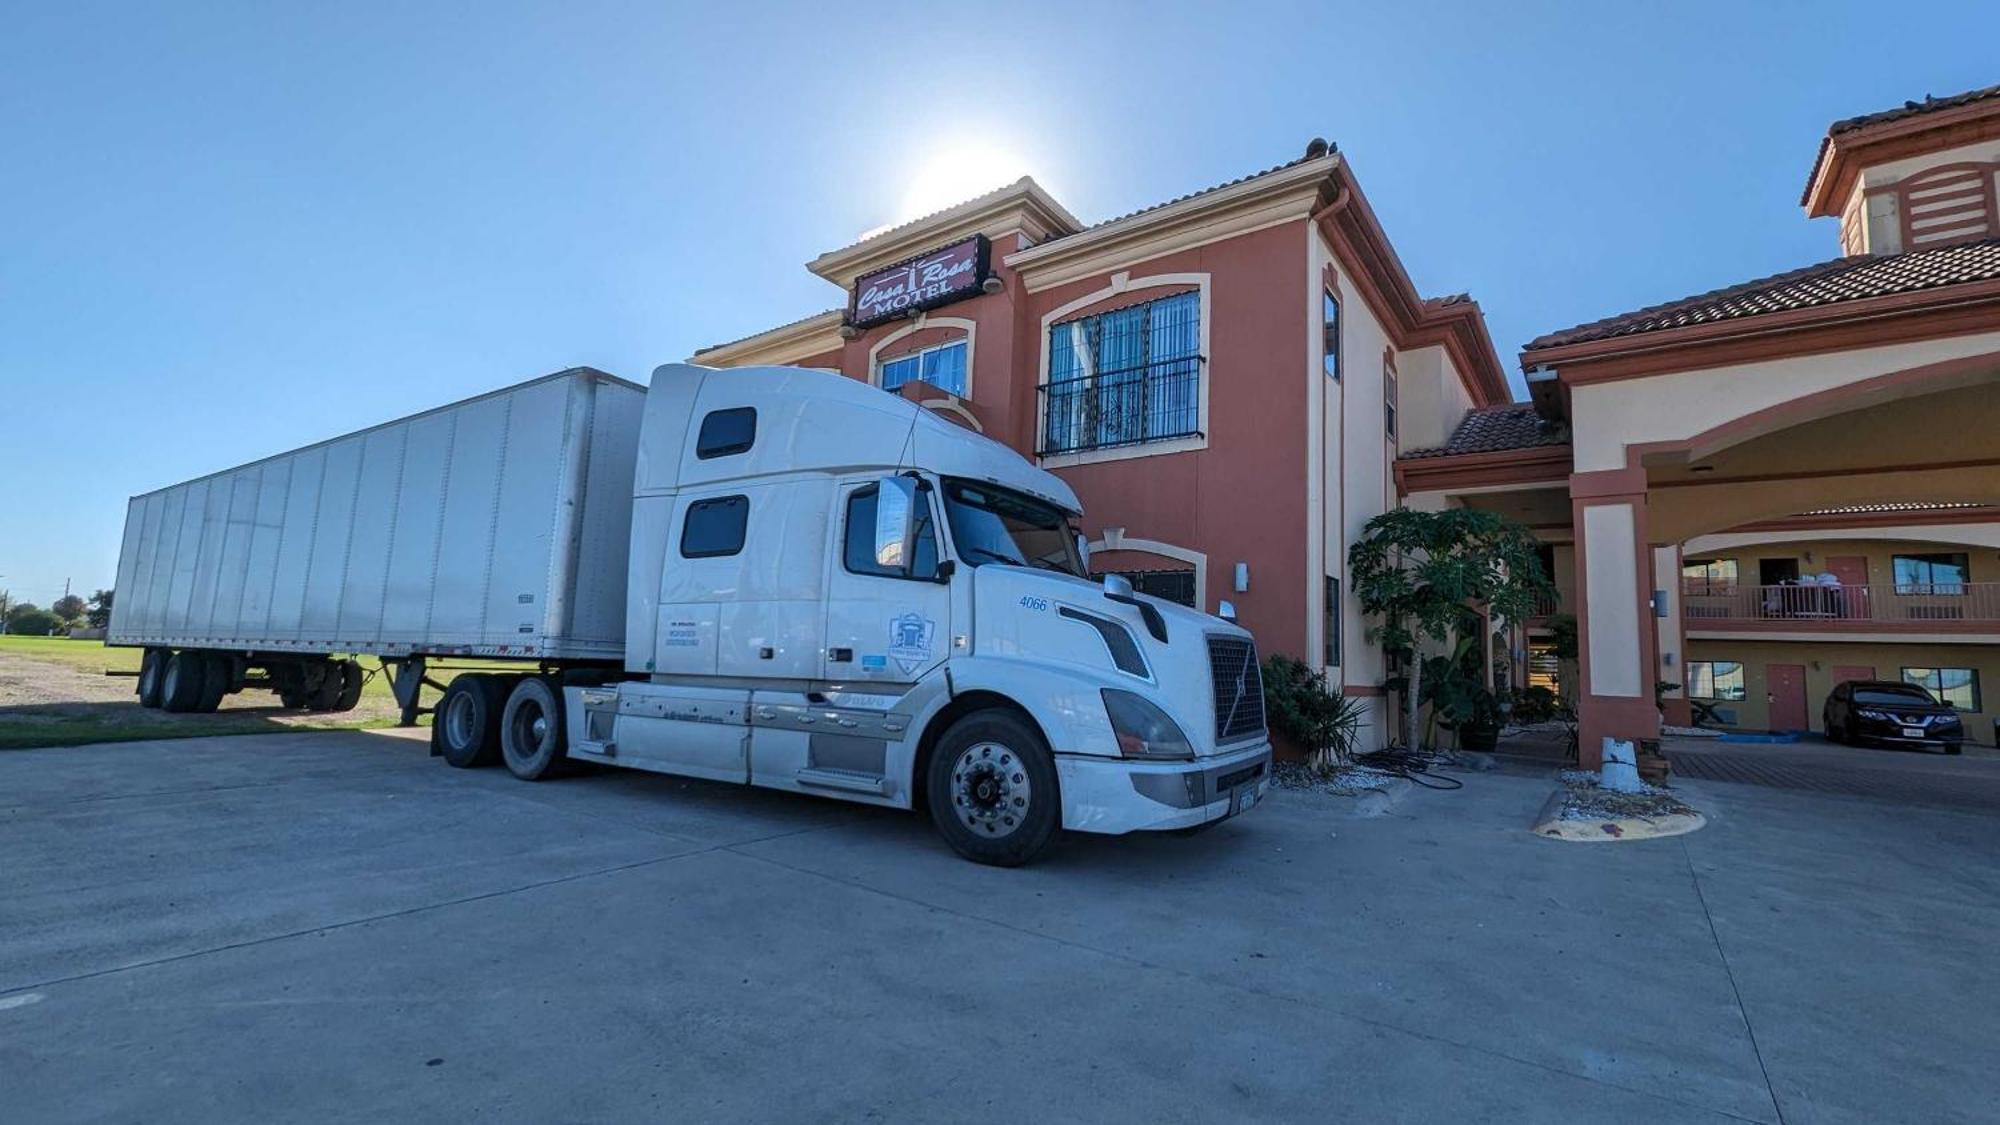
1862 711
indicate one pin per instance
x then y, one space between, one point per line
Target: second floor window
942 367
1124 377
1329 327
1389 395
1709 576
1944 574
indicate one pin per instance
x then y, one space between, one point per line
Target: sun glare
957 173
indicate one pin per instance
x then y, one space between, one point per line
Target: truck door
888 619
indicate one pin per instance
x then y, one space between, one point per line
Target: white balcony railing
1957 607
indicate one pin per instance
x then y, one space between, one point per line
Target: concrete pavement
335 926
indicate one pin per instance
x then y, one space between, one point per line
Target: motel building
1748 495
1759 492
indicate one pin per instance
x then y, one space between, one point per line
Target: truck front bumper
1118 795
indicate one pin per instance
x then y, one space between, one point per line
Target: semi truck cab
835 591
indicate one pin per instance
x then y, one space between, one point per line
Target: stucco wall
1682 405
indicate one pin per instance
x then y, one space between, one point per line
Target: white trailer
470 530
768 576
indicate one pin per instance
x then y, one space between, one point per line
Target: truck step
819 777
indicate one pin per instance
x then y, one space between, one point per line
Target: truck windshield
993 525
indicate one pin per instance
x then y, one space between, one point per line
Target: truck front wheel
992 789
466 726
531 729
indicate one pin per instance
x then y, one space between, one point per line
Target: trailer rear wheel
152 668
531 729
351 680
992 789
181 683
466 727
215 676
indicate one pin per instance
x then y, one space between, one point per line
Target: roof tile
1842 279
1495 429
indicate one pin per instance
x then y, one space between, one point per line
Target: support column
1614 589
1669 626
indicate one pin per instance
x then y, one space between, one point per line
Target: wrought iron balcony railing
1124 406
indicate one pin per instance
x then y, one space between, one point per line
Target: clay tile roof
1494 429
768 331
1207 190
1930 104
1828 283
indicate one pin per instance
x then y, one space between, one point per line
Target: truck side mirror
896 522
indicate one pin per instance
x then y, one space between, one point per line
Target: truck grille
1239 688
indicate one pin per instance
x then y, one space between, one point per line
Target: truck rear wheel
181 682
992 789
351 680
152 668
466 727
339 686
531 729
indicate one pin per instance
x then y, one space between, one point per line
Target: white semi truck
769 576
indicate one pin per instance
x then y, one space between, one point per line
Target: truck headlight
1143 730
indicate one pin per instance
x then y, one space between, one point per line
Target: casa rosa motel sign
931 279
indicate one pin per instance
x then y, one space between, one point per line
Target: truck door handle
839 655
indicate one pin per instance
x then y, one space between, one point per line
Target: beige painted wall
1682 405
1886 659
1983 561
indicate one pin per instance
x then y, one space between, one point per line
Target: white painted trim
1115 539
923 321
1945 534
950 405
1122 283
1693 633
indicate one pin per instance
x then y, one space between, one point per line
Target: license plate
1913 732
1246 797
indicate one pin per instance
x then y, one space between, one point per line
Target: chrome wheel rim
531 728
990 790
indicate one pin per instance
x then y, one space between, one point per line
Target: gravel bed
1585 799
1342 781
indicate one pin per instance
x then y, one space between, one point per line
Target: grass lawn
72 702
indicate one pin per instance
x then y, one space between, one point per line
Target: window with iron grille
942 367
1124 377
1171 585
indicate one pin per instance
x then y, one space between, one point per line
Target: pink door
1786 688
1852 570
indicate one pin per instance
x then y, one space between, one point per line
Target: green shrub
1299 702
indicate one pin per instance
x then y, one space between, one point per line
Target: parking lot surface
337 927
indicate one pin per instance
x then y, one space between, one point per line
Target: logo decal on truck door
910 641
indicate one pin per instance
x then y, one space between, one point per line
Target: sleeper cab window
724 432
858 548
714 528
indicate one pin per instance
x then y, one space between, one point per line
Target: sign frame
982 269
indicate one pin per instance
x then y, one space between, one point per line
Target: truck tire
181 682
351 680
531 729
466 727
215 676
992 790
152 669
323 693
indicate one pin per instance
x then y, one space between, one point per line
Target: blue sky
228 229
